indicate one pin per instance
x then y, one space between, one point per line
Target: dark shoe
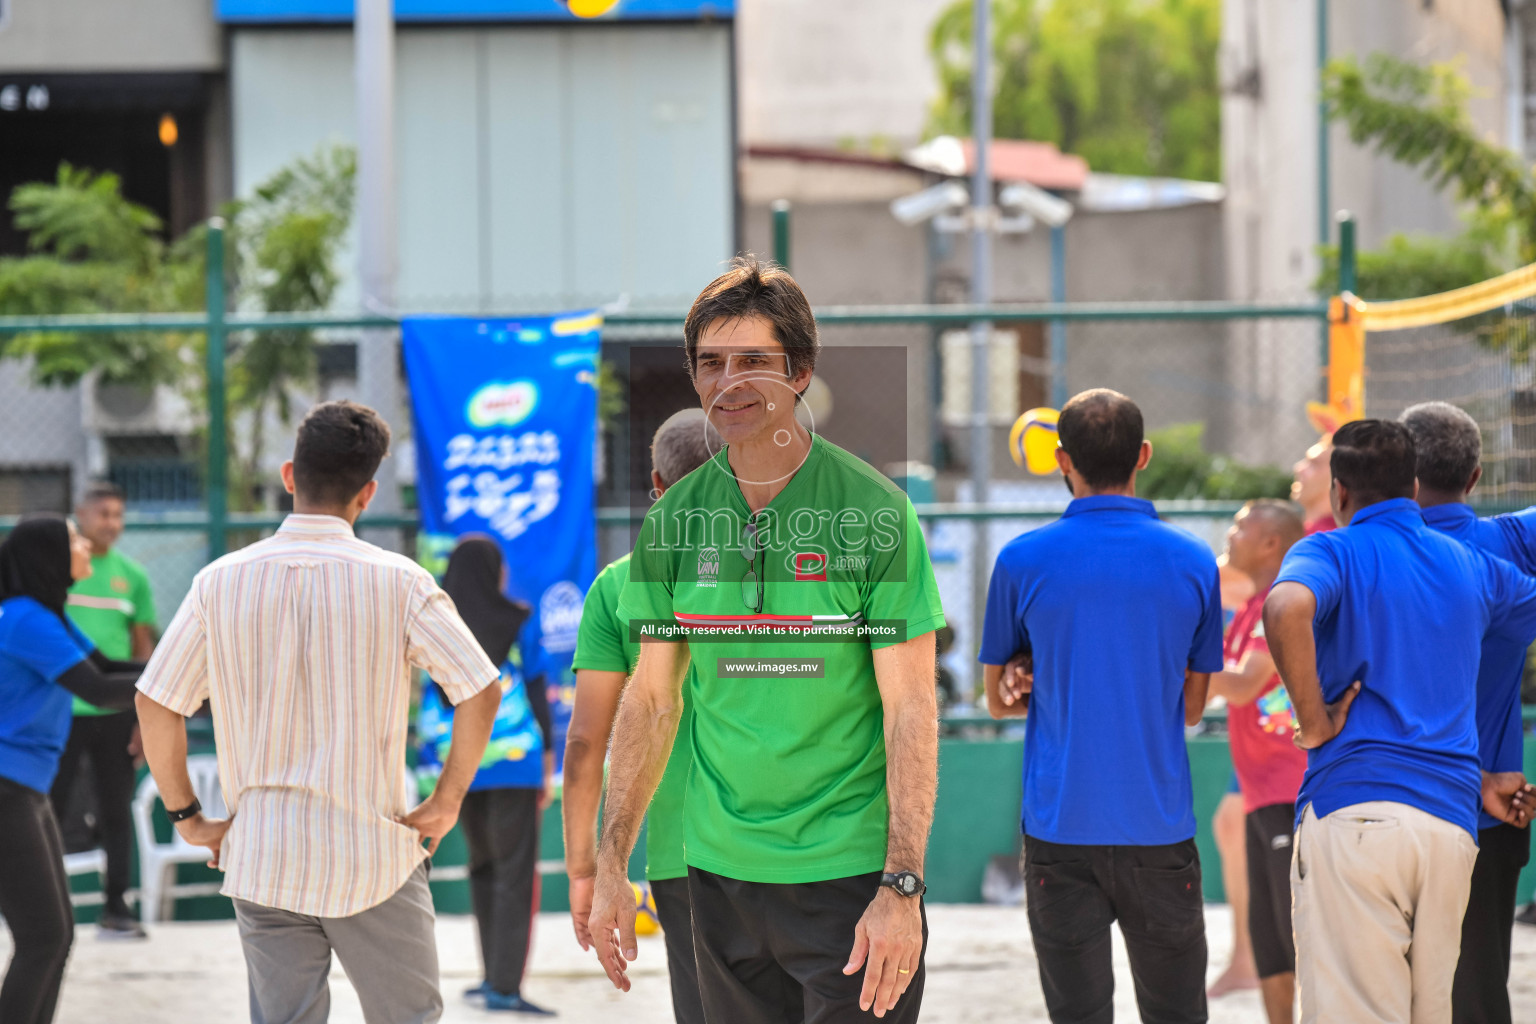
514 1004
120 926
1528 915
478 992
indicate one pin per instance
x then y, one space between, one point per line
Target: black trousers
1076 892
772 953
501 827
34 897
1480 994
103 740
676 916
1270 836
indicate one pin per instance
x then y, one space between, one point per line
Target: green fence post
216 486
1347 279
781 232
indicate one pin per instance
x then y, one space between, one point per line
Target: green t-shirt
105 605
604 644
788 780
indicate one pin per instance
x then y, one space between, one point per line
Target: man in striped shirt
304 644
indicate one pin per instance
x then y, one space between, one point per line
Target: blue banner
299 11
505 416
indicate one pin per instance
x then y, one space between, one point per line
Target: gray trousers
389 952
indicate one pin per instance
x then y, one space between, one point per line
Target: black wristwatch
904 882
186 812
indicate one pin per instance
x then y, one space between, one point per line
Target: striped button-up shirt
304 645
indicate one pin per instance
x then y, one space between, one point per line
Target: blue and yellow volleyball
1032 442
647 921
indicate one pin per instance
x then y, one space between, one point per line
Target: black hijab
34 562
473 580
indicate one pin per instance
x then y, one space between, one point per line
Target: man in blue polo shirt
1450 450
1108 817
1387 616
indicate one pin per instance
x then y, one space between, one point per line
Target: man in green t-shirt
605 656
114 608
795 582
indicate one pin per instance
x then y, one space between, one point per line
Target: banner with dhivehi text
505 417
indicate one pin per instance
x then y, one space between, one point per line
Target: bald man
1261 728
605 658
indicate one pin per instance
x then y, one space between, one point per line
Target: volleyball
1032 441
647 921
589 8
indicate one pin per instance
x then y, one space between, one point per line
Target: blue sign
280 11
505 416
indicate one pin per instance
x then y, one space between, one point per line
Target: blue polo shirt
1114 606
1512 538
36 647
1404 609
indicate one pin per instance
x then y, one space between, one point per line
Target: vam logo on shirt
709 567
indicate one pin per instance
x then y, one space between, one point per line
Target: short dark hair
761 289
1448 442
101 490
338 450
1376 459
1102 431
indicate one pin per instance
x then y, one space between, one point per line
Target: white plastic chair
158 889
86 862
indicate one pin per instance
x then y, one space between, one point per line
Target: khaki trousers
1378 890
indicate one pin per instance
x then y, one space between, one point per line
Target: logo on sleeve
811 565
119 584
709 566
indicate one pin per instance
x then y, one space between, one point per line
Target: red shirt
1321 523
1269 767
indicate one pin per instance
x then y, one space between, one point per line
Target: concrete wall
1270 167
821 72
1269 129
1385 196
60 36
846 248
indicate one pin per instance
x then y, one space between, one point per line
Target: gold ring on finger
902 970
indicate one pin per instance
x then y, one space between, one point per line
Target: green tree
94 251
1418 116
1130 85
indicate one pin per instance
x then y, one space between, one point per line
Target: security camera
1036 202
930 202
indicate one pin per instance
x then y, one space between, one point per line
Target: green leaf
1128 84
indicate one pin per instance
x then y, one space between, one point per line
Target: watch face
907 882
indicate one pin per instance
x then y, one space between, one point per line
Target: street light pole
378 359
981 295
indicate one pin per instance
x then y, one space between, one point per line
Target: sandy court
981 968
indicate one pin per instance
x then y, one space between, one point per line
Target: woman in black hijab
501 813
43 659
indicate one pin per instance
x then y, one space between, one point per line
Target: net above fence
1470 347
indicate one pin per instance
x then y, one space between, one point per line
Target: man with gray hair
1449 446
605 658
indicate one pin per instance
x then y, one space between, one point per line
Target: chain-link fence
1480 363
893 386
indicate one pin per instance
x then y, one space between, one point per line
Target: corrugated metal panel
538 167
